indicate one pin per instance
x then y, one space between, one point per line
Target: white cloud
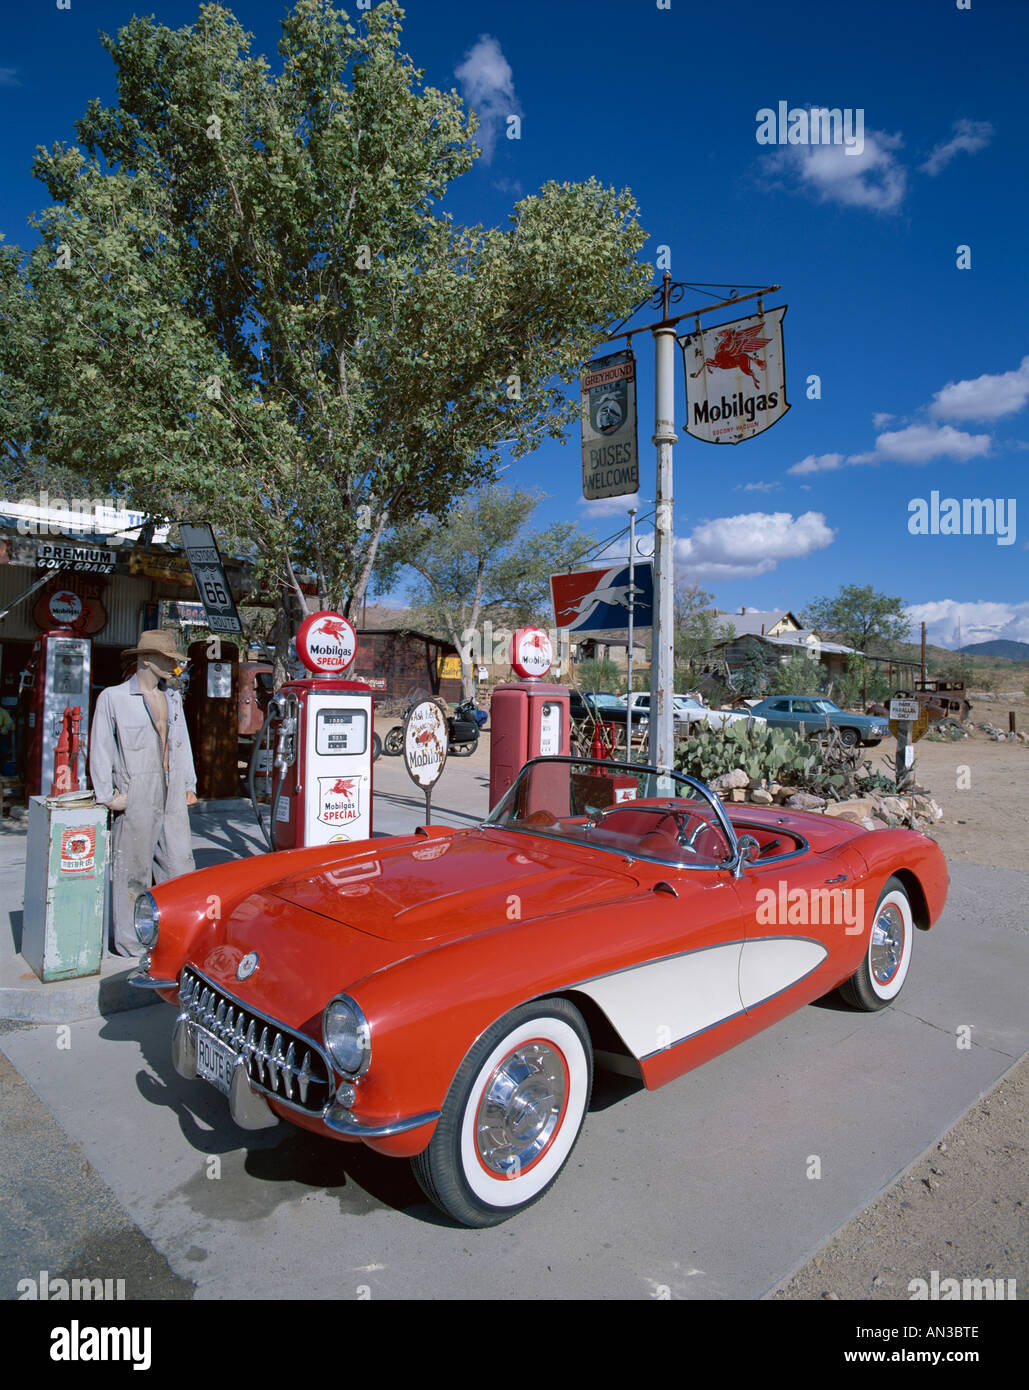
9 77
734 547
487 85
979 621
818 463
873 178
969 137
881 418
920 444
984 397
615 506
757 487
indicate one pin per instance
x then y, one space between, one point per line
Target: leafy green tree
861 682
859 617
800 675
481 562
697 630
598 674
245 307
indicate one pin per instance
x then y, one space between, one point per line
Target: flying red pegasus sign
326 643
735 378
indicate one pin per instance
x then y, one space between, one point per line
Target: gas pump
319 733
212 716
530 718
57 682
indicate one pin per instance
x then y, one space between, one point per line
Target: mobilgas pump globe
530 718
320 733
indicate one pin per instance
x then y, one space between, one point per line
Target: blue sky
923 367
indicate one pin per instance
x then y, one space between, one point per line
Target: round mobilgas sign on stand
326 643
532 653
425 746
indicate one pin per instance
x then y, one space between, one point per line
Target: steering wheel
683 840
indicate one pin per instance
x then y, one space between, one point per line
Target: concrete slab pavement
703 1188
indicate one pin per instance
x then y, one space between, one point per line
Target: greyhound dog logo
734 350
617 595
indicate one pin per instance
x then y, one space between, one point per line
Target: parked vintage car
603 705
791 711
444 996
688 713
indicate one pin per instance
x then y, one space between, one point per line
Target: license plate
215 1061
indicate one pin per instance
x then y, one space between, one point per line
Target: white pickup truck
686 710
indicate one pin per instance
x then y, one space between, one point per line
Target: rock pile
873 811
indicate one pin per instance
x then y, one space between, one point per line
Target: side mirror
747 849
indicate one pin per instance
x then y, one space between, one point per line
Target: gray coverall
151 838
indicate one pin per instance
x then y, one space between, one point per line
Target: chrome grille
283 1064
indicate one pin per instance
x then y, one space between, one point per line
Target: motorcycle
463 729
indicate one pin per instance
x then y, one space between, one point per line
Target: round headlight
146 919
346 1036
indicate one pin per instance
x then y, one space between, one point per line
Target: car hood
452 886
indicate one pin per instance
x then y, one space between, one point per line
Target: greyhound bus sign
610 456
595 601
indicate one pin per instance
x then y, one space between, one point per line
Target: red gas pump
529 718
320 733
57 681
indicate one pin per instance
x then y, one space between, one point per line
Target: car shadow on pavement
257 1171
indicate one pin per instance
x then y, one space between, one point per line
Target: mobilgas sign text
735 378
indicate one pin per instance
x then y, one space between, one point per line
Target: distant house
727 659
754 623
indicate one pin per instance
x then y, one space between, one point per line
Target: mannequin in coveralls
141 766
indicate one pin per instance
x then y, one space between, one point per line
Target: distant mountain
1000 646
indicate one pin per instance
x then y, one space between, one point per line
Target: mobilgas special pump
531 717
318 735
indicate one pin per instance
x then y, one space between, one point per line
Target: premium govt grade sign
610 455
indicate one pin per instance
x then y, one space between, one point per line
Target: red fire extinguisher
66 754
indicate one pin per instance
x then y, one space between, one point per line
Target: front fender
194 907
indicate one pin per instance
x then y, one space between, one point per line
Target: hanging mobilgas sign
610 456
735 378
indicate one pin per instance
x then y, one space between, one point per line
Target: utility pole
628 676
662 667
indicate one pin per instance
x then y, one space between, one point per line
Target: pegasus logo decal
734 350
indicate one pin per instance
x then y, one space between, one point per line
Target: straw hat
156 643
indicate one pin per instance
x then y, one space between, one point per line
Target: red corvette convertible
444 996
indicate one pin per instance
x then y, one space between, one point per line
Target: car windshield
687 702
826 706
606 701
623 808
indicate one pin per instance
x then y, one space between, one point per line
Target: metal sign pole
632 576
663 662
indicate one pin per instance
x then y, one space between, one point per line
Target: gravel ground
961 1208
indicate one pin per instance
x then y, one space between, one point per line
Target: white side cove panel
658 1005
772 964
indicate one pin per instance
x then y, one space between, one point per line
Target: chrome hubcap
887 944
520 1108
